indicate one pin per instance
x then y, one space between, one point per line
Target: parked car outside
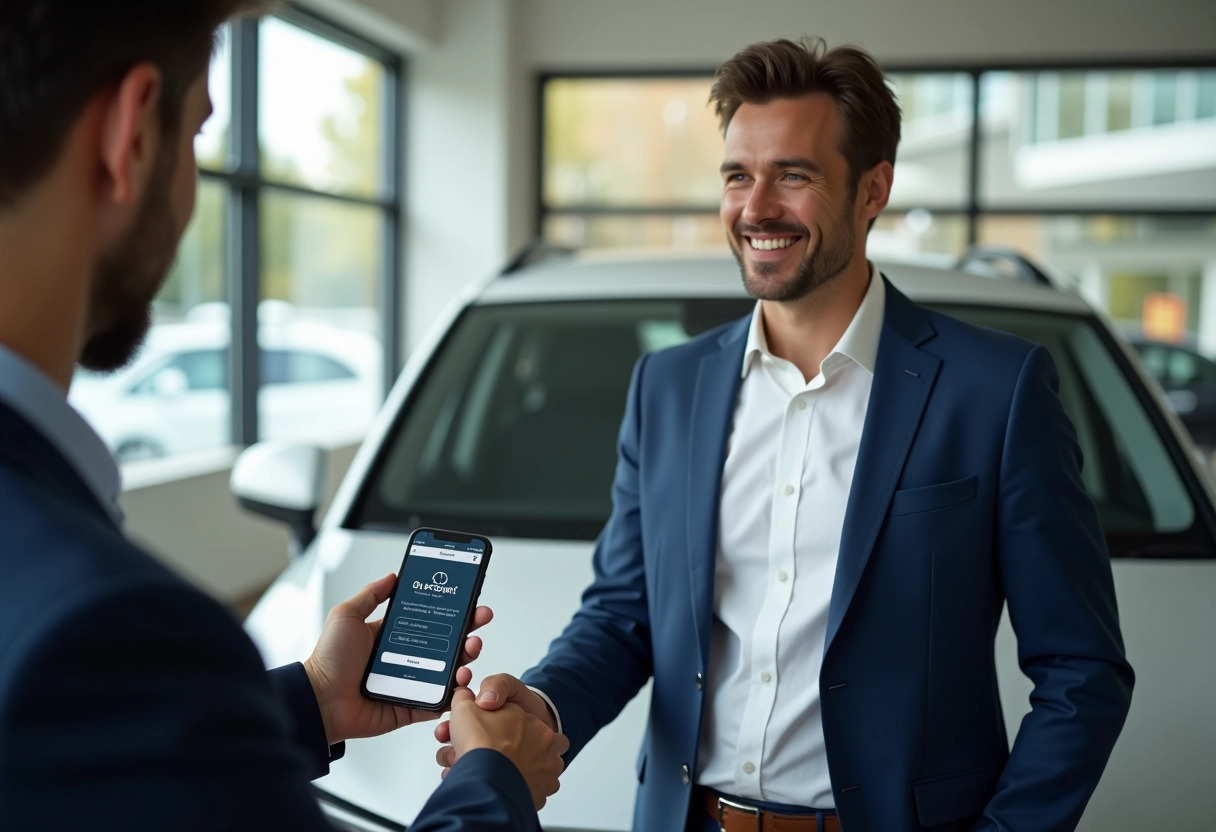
504 423
1188 378
320 383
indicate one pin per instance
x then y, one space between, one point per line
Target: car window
301 367
203 370
513 428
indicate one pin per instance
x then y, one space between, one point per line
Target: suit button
685 775
700 681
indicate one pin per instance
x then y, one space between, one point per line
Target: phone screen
424 626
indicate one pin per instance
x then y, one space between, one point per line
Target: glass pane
212 143
173 397
321 112
918 236
318 322
931 164
636 231
1100 139
626 141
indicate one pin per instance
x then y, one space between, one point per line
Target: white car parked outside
320 383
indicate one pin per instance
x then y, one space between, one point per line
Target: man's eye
793 177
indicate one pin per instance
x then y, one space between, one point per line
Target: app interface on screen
421 635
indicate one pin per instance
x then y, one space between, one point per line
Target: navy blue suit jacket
966 494
130 700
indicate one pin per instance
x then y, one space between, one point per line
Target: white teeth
770 245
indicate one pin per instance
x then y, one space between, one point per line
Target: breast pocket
933 497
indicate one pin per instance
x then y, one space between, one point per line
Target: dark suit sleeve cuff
483 766
308 729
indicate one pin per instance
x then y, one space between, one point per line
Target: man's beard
128 276
830 256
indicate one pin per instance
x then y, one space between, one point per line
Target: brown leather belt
739 817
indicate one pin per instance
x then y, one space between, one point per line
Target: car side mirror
284 481
169 382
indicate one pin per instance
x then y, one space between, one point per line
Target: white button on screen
413 661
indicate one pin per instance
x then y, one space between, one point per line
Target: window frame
242 177
972 207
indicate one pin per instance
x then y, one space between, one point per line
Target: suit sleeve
1060 592
603 657
146 707
483 792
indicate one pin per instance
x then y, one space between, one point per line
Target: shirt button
765 676
801 404
781 576
749 768
789 489
685 775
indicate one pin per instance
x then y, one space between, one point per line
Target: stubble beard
829 257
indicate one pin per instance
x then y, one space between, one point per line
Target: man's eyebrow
730 167
796 162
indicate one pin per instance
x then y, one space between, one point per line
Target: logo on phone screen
440 578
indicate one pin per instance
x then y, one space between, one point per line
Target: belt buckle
723 803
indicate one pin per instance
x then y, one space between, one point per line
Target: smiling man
819 512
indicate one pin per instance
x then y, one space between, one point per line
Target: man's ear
875 190
130 134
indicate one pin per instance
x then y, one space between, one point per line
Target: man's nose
761 205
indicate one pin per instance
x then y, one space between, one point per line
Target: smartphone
428 618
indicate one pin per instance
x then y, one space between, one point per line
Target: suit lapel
903 378
713 406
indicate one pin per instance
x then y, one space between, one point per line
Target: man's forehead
784 125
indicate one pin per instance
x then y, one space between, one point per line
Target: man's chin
113 348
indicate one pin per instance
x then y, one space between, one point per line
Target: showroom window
279 318
1106 174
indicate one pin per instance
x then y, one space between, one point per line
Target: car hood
534 588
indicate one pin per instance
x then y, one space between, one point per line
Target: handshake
505 716
509 718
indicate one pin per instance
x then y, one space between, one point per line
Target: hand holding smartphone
428 618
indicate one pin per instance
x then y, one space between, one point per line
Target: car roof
608 276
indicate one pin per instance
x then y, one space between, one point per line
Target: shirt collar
859 341
27 390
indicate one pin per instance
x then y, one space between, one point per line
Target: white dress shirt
27 390
785 486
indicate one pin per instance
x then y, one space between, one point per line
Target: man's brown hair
56 54
869 114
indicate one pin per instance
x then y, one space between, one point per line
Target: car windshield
512 429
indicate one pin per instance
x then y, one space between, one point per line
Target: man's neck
804 331
44 279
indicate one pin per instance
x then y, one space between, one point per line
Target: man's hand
336 667
496 691
534 747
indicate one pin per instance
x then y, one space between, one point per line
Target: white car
504 423
320 383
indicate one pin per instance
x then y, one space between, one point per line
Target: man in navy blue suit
819 513
128 699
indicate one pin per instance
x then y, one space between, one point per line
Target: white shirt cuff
556 716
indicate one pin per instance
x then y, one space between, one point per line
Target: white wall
563 34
